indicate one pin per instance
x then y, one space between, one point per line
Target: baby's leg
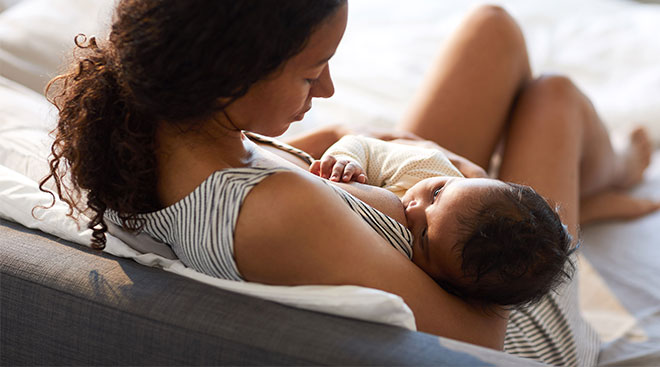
465 102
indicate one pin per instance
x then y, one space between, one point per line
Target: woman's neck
187 158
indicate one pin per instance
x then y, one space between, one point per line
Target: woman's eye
312 81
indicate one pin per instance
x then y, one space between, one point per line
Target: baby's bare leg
465 102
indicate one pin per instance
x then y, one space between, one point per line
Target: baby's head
487 241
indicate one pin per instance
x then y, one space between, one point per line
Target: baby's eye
436 192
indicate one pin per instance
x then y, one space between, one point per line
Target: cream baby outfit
395 167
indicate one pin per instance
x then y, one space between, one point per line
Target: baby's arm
464 165
338 168
344 161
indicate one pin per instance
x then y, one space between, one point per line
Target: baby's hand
338 170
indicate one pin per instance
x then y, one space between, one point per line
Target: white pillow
36 36
6 4
19 195
25 120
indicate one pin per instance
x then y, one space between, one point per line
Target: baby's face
432 207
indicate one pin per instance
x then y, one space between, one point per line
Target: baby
484 240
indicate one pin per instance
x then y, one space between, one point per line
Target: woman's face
272 104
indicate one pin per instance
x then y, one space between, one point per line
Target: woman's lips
301 115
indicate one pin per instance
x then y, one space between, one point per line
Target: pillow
19 195
25 120
32 55
5 4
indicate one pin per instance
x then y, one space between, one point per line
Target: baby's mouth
406 214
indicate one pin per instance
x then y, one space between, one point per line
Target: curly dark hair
513 249
164 61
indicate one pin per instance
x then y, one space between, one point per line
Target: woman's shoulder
226 183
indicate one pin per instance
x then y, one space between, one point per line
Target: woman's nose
324 88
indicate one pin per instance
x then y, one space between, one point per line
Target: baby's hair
515 249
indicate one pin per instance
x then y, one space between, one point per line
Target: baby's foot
634 158
615 205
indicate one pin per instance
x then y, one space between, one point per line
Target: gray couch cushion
62 304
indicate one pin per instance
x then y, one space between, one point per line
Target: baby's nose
412 211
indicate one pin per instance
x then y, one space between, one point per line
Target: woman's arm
295 230
316 142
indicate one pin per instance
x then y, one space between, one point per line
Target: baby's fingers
338 171
352 172
327 162
315 167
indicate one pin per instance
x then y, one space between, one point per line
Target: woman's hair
167 61
514 249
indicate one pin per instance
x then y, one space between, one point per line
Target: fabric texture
63 304
280 145
25 120
553 331
395 167
32 55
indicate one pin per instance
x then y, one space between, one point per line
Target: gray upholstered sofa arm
64 304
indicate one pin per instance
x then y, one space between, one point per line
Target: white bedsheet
620 287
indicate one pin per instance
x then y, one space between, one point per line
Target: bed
608 47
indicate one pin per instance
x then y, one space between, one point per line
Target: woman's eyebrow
323 61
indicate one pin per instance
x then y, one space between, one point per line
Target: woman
153 128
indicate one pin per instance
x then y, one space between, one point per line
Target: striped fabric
280 145
553 331
200 227
541 333
394 232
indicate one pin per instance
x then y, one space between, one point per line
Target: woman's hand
468 168
338 170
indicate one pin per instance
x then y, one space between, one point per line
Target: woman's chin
273 131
